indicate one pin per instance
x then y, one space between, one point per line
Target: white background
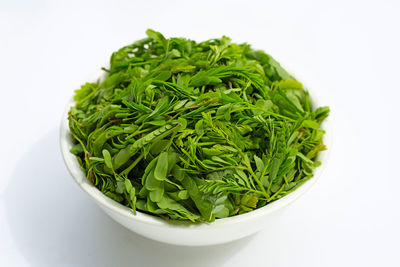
347 52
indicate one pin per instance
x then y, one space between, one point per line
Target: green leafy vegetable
195 131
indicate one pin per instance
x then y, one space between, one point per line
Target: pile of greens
195 131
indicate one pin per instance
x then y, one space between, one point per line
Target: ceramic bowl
179 233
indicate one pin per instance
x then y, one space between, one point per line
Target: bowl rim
79 177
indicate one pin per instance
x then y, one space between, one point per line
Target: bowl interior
80 177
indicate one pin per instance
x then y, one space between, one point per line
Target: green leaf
76 149
202 204
157 122
221 211
158 37
178 173
152 183
276 163
131 193
157 195
163 76
107 159
199 127
167 203
183 194
259 164
180 104
183 122
160 172
263 105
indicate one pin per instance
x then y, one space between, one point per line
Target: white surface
348 50
184 234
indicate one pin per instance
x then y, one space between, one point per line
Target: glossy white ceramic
178 233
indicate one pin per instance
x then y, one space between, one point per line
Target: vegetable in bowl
195 131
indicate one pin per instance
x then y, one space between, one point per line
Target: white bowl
177 233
